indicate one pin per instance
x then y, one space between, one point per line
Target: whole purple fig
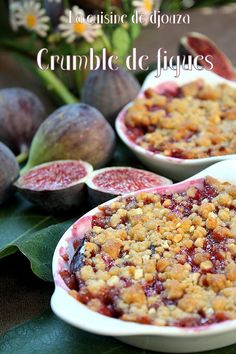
9 171
109 91
73 132
21 113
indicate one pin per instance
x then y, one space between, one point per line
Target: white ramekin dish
174 168
161 339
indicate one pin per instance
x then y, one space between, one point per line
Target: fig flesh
21 113
195 43
73 132
110 182
9 171
56 186
109 91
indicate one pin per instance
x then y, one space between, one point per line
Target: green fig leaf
135 30
47 334
39 248
170 6
99 43
36 235
121 42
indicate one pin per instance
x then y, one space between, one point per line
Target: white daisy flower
14 6
144 8
79 28
30 15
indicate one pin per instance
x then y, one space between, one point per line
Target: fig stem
24 153
50 80
22 157
78 74
54 84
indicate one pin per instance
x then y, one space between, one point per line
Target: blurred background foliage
166 6
118 39
177 5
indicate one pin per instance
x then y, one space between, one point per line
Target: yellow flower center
148 5
31 20
80 28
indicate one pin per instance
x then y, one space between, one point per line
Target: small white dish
174 168
161 339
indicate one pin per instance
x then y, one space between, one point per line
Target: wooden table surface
22 295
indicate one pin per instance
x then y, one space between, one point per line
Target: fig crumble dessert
161 259
192 121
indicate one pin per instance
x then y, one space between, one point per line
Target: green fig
73 132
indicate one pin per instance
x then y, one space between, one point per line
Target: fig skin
109 91
73 132
9 171
57 201
77 260
96 197
21 113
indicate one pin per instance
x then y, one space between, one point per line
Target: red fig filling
54 176
196 121
166 260
204 47
121 181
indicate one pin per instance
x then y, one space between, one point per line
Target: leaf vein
28 231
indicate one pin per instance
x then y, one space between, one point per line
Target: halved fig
194 43
56 186
110 182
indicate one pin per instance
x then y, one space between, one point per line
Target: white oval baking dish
174 168
163 339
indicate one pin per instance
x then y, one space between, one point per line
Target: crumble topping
193 121
161 259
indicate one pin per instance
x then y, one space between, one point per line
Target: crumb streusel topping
193 121
166 260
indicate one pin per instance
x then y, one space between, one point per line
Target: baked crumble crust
197 120
166 260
